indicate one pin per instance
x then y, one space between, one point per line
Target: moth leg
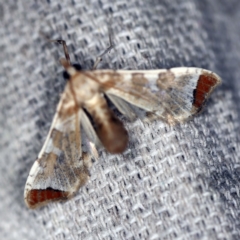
63 43
99 58
65 49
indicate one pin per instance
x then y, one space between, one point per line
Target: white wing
173 95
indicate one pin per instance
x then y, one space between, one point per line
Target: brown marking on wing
165 80
48 161
83 175
68 105
206 83
108 79
139 79
69 147
109 128
72 137
73 143
67 111
38 197
56 138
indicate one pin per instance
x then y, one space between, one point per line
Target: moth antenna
99 58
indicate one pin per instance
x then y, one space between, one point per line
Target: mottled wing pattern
173 95
61 167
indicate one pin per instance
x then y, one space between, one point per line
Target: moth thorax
85 88
71 71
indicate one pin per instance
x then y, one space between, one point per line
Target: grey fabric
172 182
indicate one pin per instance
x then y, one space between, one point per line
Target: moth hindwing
62 166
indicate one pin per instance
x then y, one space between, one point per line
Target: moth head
77 66
70 70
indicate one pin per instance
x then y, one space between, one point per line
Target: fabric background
172 182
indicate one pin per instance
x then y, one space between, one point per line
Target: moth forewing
173 95
61 167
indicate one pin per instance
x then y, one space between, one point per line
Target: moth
62 167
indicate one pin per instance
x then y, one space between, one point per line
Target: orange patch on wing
38 197
205 85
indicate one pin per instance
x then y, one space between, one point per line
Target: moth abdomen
109 128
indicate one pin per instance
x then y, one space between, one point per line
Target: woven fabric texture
177 182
